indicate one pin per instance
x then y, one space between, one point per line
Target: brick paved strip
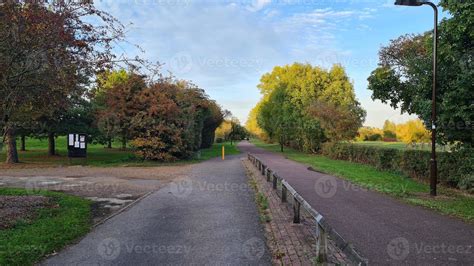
290 244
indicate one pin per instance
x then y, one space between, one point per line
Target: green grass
393 145
97 155
399 145
450 202
52 229
216 150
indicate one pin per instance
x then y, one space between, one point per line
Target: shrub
374 137
454 168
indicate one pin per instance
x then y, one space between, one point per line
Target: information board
77 145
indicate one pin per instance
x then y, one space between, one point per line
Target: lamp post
434 166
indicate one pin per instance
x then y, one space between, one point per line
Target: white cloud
258 5
225 48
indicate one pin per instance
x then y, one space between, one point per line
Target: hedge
455 169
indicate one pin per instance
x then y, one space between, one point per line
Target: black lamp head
408 2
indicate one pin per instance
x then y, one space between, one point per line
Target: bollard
323 248
284 192
275 179
296 211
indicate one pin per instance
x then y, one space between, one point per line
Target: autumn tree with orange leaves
48 53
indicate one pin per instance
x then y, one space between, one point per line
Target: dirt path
383 229
110 188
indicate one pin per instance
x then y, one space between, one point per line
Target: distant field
394 145
98 155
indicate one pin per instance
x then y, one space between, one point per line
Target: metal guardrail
323 229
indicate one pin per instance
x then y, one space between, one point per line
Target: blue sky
225 46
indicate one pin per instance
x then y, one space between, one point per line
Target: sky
225 46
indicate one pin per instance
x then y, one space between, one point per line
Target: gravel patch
16 208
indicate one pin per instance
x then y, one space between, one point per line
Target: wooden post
284 192
323 245
269 174
296 211
275 179
263 169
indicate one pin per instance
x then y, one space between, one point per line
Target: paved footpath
382 229
209 218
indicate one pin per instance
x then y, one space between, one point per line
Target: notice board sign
77 145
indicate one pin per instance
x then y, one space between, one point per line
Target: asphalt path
384 230
208 218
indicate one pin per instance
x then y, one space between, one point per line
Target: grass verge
97 155
450 202
260 199
51 230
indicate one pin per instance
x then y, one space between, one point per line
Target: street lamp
434 166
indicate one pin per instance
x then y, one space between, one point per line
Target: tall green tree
403 78
297 103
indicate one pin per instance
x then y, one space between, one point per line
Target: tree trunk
282 142
23 143
124 143
51 144
109 143
10 141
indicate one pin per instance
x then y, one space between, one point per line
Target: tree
47 51
369 134
403 77
112 100
238 132
119 103
224 130
252 124
338 122
413 131
296 103
389 130
171 119
213 119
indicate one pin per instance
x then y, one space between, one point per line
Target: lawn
216 150
450 201
382 144
97 155
52 229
